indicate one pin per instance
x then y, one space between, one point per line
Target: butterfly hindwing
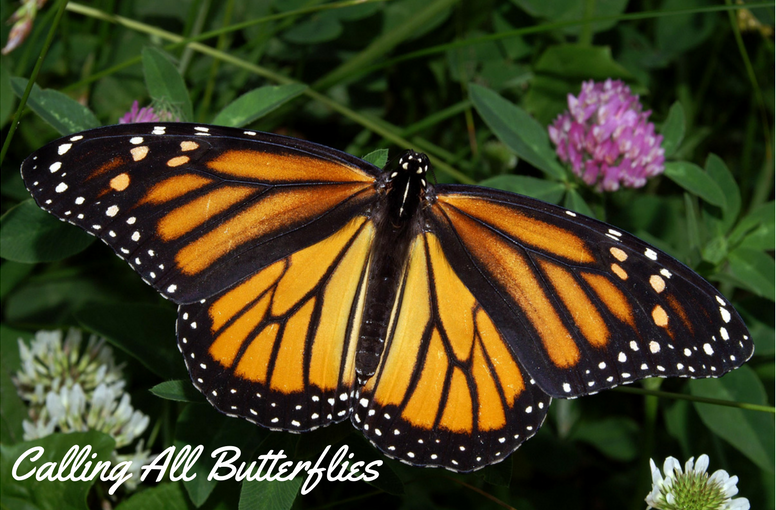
583 305
278 348
449 391
195 209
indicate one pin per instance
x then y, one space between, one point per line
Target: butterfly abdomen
396 227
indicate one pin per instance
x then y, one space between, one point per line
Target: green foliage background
473 84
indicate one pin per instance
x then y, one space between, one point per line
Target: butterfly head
412 163
406 183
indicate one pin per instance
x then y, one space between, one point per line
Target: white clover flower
693 488
50 363
73 391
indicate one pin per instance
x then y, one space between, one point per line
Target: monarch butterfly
314 287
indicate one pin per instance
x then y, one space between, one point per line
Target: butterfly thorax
396 226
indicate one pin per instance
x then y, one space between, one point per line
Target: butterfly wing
197 209
279 347
448 391
584 306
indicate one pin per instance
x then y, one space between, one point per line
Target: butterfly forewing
449 391
195 209
583 305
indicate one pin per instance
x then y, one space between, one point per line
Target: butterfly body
397 222
315 288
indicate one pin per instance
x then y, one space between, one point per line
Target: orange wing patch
184 219
613 297
430 387
274 168
106 167
174 187
585 314
272 213
527 230
333 334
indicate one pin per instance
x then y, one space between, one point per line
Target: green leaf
269 495
755 270
692 178
377 157
715 250
29 234
515 47
575 202
12 409
549 191
12 186
673 129
757 223
64 114
146 332
318 29
48 495
179 390
614 437
52 299
7 99
518 130
563 10
257 103
11 274
578 62
165 496
419 16
750 432
677 34
718 170
201 424
164 82
762 238
762 234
